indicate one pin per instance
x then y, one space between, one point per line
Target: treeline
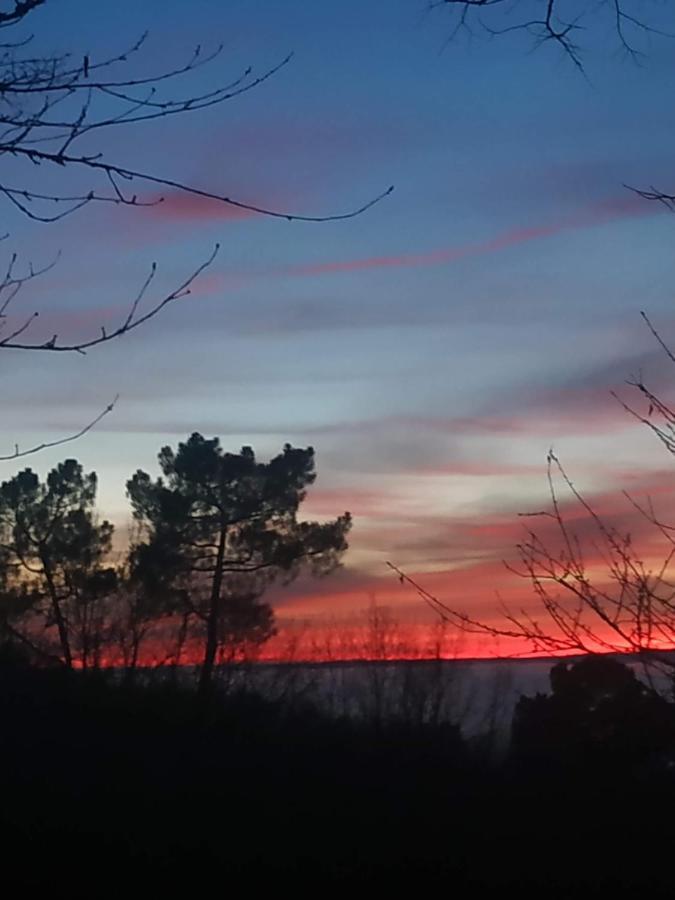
137 784
211 533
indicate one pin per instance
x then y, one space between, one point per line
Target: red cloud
479 580
327 621
74 324
182 206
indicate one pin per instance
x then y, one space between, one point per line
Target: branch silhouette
50 104
557 22
18 453
130 323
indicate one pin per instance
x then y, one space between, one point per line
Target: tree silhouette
625 606
139 608
630 607
220 527
246 623
54 553
598 712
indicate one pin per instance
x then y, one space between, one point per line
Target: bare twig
557 22
130 323
19 453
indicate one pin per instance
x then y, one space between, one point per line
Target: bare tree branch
130 323
21 9
39 156
559 22
18 453
653 193
31 89
50 103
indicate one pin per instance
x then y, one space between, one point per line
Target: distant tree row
211 534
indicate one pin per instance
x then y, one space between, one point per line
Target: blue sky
432 349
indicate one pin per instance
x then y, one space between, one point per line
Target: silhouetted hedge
145 788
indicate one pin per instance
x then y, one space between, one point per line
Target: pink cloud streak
183 207
600 213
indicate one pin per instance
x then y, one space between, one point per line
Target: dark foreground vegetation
149 788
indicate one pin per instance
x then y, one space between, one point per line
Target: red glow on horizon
316 648
321 645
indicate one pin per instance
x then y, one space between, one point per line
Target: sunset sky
432 349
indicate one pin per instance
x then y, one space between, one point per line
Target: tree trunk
135 649
58 616
180 640
211 647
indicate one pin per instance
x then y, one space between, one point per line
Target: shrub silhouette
599 713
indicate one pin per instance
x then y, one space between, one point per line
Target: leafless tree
630 607
558 22
563 24
595 594
54 111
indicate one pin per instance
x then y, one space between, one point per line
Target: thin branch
18 453
20 11
38 156
131 322
501 17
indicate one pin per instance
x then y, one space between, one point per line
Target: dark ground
143 789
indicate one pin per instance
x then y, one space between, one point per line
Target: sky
432 349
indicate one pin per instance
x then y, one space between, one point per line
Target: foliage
55 551
220 527
599 712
